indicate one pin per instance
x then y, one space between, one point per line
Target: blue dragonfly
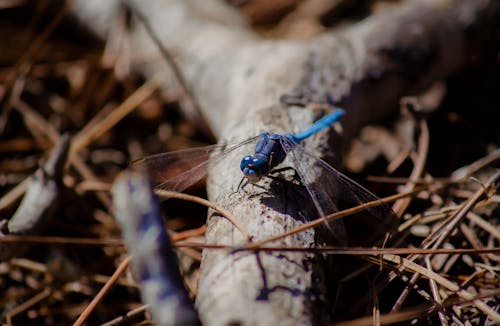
329 189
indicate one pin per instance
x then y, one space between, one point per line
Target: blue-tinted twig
154 263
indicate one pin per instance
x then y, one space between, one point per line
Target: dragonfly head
253 168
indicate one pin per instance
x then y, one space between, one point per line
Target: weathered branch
245 84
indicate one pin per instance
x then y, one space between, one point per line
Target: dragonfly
329 189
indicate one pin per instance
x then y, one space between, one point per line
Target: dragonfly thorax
268 153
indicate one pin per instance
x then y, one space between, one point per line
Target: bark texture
245 84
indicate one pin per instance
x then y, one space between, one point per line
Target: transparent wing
332 191
178 170
310 173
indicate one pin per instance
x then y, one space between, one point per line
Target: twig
26 305
154 263
105 289
412 105
87 135
427 217
35 119
338 215
31 239
471 236
390 318
129 315
333 250
485 225
398 180
177 242
87 173
435 294
470 169
221 210
189 233
14 193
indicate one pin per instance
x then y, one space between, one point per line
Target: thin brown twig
27 304
109 242
399 180
435 294
401 205
124 318
83 169
221 210
332 250
473 240
15 193
103 186
471 279
37 121
177 242
485 225
29 264
397 161
32 239
83 139
426 217
338 215
104 290
15 94
390 318
464 172
188 233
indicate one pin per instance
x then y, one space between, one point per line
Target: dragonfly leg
243 183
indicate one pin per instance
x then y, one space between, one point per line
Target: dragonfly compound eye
245 162
252 175
253 168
